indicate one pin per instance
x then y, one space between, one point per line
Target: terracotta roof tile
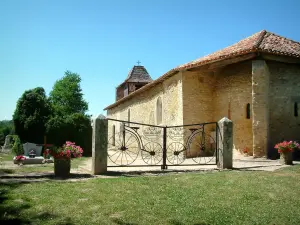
274 43
246 45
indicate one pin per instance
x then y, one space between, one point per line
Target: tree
75 127
31 115
69 121
66 96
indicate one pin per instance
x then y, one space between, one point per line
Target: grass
6 156
228 197
7 167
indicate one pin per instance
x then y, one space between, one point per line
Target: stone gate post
99 145
225 143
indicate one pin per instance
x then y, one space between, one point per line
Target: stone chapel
254 82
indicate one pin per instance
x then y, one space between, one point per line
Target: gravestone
32 149
28 147
7 144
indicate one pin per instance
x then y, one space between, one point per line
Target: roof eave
171 73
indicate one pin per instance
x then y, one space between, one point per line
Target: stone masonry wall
284 93
233 91
198 97
143 106
260 107
208 96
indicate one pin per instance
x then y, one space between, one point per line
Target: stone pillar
99 151
260 107
225 143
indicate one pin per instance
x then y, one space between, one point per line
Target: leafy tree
69 121
31 115
66 96
75 127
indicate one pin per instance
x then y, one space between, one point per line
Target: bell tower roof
138 74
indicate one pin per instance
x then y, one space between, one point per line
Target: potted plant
285 149
20 159
62 157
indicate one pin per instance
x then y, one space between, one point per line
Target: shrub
17 146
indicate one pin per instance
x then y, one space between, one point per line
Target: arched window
113 135
158 111
296 109
248 111
128 112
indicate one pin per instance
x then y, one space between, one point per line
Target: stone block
99 146
225 143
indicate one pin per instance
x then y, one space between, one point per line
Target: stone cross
45 143
138 62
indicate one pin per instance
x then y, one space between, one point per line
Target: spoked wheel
152 153
123 149
202 148
176 153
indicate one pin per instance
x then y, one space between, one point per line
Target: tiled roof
138 74
263 41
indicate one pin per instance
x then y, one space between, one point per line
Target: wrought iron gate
138 144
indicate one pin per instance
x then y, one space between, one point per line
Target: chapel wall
284 93
198 88
197 95
143 106
232 93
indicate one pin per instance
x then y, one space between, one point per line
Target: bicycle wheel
175 153
202 148
123 149
152 153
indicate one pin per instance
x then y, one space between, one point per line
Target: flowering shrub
20 158
287 146
246 150
68 150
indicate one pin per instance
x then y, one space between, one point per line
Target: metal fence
138 144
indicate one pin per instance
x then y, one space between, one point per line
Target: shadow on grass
7 171
154 172
121 222
175 222
11 209
23 179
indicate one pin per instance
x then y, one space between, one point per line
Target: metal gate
144 145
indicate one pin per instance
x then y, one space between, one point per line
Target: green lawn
228 197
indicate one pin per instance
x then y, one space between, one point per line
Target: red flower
287 146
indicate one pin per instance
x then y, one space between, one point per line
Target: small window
158 111
229 112
248 111
296 109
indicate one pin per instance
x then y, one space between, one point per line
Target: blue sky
102 40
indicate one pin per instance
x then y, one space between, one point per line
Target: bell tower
137 77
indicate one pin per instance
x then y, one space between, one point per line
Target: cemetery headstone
7 144
32 154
